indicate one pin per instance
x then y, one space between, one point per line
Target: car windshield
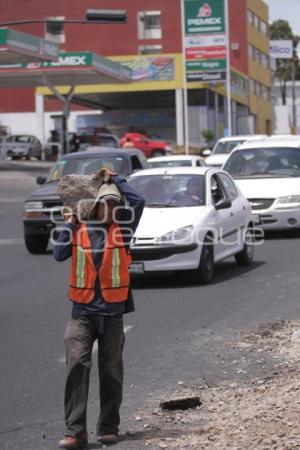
88 165
264 162
170 191
224 148
169 163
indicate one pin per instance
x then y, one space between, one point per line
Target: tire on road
36 244
246 256
205 272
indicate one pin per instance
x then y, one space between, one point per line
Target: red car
150 147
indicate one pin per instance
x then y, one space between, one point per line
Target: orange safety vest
113 272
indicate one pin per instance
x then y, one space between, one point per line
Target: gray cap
107 192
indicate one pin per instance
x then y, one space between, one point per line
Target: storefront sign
205 40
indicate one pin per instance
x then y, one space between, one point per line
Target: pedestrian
128 143
74 143
101 294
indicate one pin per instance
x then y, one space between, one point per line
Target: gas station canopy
71 69
18 48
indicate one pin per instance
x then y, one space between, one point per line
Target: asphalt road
179 332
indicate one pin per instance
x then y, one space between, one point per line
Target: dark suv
43 207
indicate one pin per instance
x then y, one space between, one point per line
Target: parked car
21 145
193 218
268 174
224 147
44 202
176 161
150 147
85 140
98 139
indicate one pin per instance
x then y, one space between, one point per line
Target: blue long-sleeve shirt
128 222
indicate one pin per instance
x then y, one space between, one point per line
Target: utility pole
294 127
228 71
185 89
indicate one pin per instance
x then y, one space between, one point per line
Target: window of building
265 60
256 21
258 89
263 27
258 56
149 25
264 92
54 29
250 16
150 49
251 54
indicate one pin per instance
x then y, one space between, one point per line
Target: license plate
136 267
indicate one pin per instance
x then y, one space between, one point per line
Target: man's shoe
71 442
108 439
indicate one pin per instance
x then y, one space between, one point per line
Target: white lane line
12 241
95 347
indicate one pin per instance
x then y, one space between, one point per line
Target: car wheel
29 154
157 153
36 244
246 256
205 272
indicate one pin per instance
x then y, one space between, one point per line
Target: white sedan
193 218
268 174
176 161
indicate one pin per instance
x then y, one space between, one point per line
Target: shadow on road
145 435
282 235
225 271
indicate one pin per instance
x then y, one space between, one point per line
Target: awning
18 48
72 69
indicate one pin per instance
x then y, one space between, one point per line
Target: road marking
12 241
95 346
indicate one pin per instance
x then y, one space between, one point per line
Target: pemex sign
205 40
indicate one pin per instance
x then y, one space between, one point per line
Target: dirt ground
259 413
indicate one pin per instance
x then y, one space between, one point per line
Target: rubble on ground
254 414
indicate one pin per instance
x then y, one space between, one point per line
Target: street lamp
56 25
106 16
92 16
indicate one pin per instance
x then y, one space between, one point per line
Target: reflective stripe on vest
113 273
80 267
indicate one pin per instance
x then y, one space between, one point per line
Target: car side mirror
223 204
41 180
206 152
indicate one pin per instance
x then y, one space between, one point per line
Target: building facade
150 44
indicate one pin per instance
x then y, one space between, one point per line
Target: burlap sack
78 192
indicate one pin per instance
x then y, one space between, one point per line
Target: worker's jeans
81 332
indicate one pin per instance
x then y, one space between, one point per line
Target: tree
280 29
208 135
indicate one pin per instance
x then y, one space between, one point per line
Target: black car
43 206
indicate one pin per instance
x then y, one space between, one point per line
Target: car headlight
32 206
289 199
174 237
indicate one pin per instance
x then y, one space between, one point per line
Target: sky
285 9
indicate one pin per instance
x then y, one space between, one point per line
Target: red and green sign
205 40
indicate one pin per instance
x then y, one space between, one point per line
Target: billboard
281 49
205 40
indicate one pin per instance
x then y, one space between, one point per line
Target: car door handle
231 214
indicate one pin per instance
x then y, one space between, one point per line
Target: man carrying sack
100 292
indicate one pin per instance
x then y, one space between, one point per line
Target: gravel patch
259 413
